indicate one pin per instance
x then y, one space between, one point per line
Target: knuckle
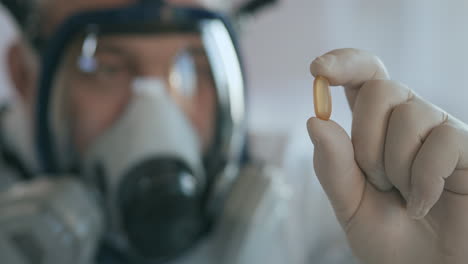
445 131
416 119
374 88
385 91
407 114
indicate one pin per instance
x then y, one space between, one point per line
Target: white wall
424 44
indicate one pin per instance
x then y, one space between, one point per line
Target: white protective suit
276 216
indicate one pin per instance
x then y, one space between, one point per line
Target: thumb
336 169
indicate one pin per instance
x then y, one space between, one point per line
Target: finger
350 68
410 123
438 165
336 168
374 104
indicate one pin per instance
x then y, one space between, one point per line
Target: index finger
350 68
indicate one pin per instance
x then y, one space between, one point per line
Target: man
110 95
397 186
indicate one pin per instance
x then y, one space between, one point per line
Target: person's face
123 58
95 100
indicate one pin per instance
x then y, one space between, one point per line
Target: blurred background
422 42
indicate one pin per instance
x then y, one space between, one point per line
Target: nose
155 68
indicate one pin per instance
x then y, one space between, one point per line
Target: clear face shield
147 105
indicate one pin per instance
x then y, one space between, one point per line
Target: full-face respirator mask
121 103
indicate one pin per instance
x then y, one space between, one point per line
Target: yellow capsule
322 98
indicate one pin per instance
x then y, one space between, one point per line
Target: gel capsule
322 98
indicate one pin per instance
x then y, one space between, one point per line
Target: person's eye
110 66
113 72
109 69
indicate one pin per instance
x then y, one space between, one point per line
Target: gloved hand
51 220
399 185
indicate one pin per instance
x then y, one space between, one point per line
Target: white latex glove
399 186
